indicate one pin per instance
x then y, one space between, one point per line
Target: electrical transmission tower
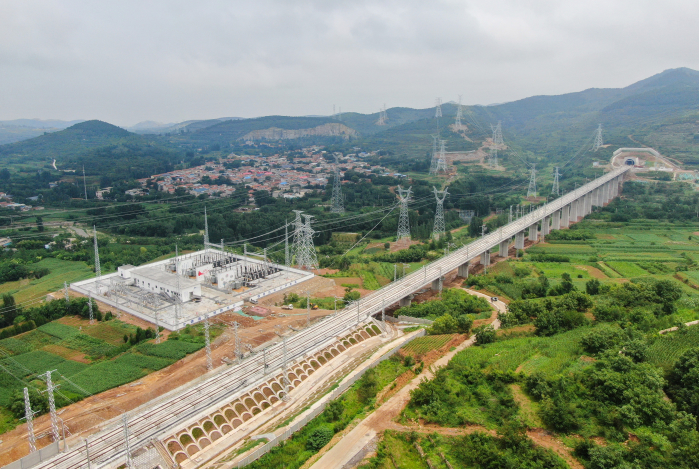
459 115
297 239
52 405
531 191
29 417
236 341
497 134
598 139
435 156
439 227
493 158
438 108
89 307
403 220
555 189
306 252
383 117
442 160
337 202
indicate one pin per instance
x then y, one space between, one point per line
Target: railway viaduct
188 418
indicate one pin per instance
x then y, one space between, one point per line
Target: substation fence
337 392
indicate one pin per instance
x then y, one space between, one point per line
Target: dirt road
346 449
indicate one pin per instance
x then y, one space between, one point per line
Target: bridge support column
463 270
557 220
534 232
595 197
573 211
615 185
545 226
605 194
502 251
565 216
519 240
588 203
485 257
405 301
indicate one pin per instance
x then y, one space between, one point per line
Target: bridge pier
545 226
573 212
519 240
435 284
534 232
556 220
485 258
565 216
463 269
504 245
405 301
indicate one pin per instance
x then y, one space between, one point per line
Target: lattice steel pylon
531 190
598 139
459 115
29 417
298 239
89 307
555 189
435 156
497 134
98 268
442 160
439 227
403 220
52 405
337 200
493 158
307 257
383 117
438 108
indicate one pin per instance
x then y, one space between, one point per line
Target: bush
334 410
484 334
319 437
368 386
599 340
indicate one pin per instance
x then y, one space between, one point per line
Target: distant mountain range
22 129
660 111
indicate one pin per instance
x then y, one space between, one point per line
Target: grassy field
61 271
88 359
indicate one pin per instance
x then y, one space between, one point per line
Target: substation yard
85 417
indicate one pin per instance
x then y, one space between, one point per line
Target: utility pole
286 244
284 373
236 341
395 266
50 387
89 307
337 199
207 342
84 182
157 329
308 308
65 292
125 421
29 417
98 268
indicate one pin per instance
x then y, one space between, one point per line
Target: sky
169 61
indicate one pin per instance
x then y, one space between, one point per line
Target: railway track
168 413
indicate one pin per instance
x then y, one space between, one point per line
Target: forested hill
102 148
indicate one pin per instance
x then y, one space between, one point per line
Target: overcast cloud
169 61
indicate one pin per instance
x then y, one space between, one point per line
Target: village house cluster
280 175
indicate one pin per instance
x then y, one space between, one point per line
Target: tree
445 324
592 286
9 309
484 334
4 174
319 437
39 224
683 382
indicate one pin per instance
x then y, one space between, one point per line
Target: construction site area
187 289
